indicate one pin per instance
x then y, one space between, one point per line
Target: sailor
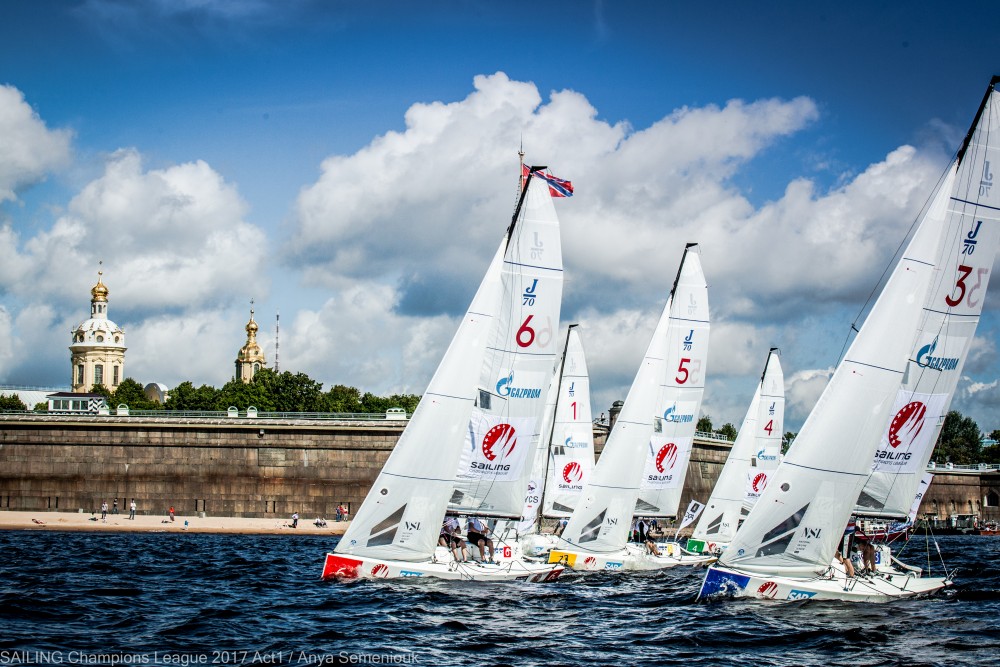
450 538
477 537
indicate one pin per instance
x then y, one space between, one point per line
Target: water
169 599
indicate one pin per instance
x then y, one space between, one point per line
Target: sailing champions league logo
904 430
572 473
759 483
666 457
501 439
381 570
768 590
507 389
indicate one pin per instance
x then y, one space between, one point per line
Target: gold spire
99 292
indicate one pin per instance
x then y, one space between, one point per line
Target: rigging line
891 262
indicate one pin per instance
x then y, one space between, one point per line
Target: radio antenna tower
277 330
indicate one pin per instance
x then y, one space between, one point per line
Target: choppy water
103 599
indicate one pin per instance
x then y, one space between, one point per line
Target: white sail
505 425
948 325
531 511
571 450
601 520
751 461
400 518
669 448
796 526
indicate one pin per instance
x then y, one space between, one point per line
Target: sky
352 167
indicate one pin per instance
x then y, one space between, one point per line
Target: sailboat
563 465
479 416
649 446
786 547
753 458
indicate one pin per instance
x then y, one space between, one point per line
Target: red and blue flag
557 186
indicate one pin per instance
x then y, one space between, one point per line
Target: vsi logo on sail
506 388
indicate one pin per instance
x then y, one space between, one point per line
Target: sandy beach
10 520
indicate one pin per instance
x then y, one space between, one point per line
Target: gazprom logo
507 388
762 455
670 415
925 358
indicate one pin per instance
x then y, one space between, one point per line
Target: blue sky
352 164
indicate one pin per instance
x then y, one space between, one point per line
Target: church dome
99 292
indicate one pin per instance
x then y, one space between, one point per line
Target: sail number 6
526 334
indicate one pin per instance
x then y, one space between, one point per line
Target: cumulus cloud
171 238
29 150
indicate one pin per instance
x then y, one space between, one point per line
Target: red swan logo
573 472
666 457
768 590
759 482
500 439
380 570
907 424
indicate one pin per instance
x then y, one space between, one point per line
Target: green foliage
12 403
959 441
132 394
289 393
704 424
728 431
185 397
786 441
342 398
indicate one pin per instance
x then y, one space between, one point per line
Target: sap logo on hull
409 573
799 595
612 566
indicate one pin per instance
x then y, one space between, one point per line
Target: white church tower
98 349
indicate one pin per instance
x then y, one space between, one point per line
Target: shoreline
120 523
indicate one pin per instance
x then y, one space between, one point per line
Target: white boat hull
343 567
835 585
632 557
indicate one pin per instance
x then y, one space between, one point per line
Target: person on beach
340 512
295 520
114 508
104 510
171 512
131 510
477 537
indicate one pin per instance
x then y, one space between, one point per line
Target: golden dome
99 292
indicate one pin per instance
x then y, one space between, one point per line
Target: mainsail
504 427
400 518
565 458
601 520
948 325
796 525
751 461
669 448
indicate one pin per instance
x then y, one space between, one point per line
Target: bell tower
97 352
250 358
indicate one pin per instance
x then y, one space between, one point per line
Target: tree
786 441
12 403
959 442
290 393
704 424
242 395
132 394
185 397
342 398
728 431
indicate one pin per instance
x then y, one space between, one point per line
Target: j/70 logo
666 457
907 423
573 472
501 439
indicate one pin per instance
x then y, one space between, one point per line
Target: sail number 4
965 292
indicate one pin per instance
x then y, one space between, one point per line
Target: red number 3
960 284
